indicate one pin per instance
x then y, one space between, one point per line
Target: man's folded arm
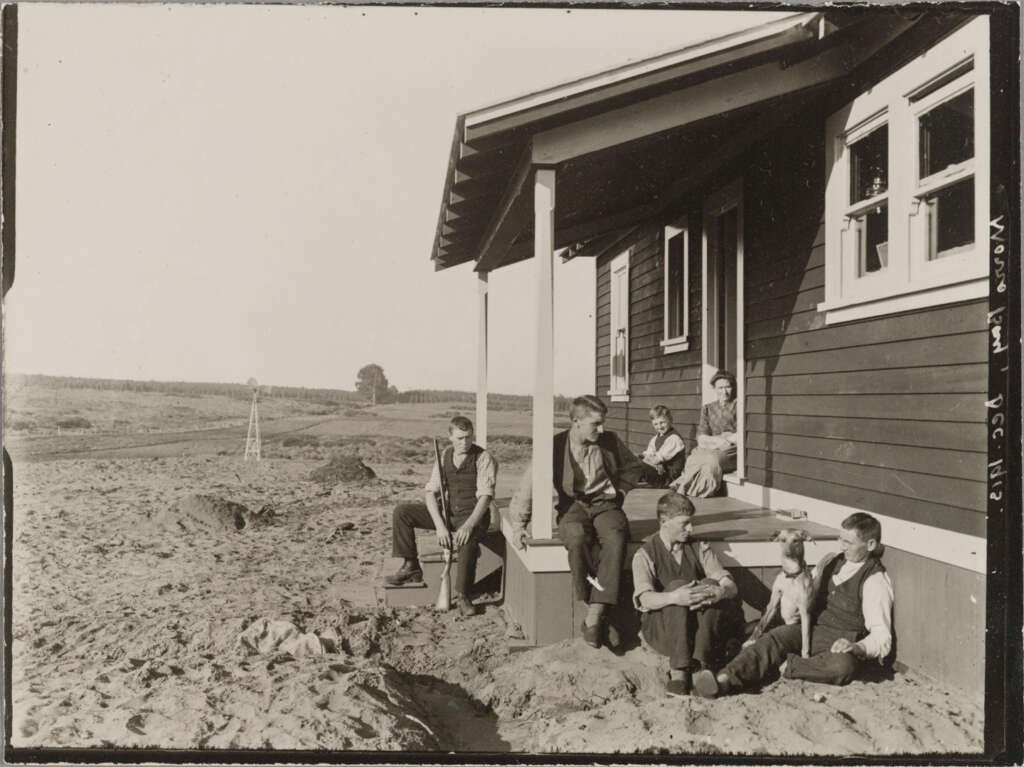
713 569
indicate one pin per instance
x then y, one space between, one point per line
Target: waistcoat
674 466
461 480
666 569
605 441
841 605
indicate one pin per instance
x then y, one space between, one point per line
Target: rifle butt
444 592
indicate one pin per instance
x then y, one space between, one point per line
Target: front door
722 329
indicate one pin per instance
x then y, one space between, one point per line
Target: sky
209 193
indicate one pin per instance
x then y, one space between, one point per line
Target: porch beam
723 94
521 251
597 246
697 175
509 219
603 225
543 381
481 359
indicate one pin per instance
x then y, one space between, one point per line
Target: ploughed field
167 594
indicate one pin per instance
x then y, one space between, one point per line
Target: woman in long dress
715 454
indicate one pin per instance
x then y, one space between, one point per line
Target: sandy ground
150 612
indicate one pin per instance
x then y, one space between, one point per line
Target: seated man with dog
851 621
679 588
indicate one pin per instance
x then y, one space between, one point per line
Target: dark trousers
653 478
595 536
684 635
759 660
408 516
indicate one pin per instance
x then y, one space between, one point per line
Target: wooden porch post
481 361
543 383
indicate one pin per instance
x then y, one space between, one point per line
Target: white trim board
958 549
645 67
555 559
945 294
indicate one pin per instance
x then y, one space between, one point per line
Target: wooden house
806 203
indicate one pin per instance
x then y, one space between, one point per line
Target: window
906 203
619 328
676 336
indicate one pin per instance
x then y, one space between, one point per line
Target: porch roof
701 101
489 142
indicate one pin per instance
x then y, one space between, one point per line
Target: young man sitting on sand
470 472
677 583
851 621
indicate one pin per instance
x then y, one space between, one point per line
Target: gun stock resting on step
444 594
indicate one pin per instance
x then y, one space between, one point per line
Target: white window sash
618 340
672 343
910 279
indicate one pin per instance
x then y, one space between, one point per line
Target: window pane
872 240
675 289
947 134
619 361
950 220
869 165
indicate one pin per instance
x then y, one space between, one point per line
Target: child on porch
665 454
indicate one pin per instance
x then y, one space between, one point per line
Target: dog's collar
798 572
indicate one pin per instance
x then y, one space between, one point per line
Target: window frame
910 280
933 271
869 284
680 343
619 263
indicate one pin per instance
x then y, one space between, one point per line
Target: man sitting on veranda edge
592 472
677 583
851 621
470 472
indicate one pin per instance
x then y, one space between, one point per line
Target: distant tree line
374 388
494 401
184 388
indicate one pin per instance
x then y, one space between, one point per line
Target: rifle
444 593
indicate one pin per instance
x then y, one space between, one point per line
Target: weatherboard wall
883 414
654 378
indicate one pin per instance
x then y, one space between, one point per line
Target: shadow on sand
460 722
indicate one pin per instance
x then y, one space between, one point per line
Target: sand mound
342 468
570 676
208 513
266 636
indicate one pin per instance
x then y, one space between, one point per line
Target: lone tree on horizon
371 382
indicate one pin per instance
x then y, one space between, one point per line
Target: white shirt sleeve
434 483
486 474
670 448
876 604
643 577
649 451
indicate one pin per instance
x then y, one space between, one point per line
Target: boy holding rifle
469 473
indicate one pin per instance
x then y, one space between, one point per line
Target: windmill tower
252 440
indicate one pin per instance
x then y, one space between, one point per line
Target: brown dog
793 589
